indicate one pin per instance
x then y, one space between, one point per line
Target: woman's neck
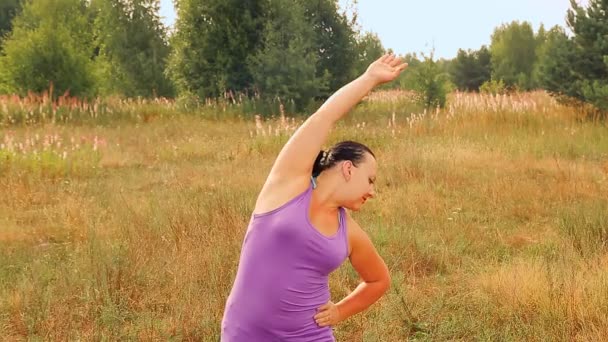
324 193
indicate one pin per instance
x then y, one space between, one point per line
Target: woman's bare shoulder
276 193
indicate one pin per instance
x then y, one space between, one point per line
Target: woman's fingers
323 319
398 69
395 62
322 315
323 307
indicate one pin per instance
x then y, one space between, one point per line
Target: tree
553 68
50 43
368 49
334 41
8 10
541 38
590 27
409 79
285 66
431 83
471 69
133 48
212 42
513 52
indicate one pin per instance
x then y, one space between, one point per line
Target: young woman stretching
300 231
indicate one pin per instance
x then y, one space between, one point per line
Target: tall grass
123 219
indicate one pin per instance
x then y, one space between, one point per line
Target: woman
300 231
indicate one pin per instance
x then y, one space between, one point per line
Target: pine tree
285 66
590 27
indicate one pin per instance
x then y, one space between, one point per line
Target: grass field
123 220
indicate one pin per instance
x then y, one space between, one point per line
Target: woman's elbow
385 284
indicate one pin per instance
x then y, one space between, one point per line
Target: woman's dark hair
345 150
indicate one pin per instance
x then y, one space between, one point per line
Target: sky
445 25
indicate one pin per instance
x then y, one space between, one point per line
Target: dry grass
126 223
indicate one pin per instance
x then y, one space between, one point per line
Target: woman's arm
294 163
374 273
297 156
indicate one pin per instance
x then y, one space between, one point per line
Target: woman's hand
385 69
328 315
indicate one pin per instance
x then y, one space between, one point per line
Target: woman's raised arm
296 159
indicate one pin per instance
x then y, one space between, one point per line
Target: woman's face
359 182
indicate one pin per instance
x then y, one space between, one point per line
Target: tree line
288 50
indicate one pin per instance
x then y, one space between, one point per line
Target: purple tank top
282 277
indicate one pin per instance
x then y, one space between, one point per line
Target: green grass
491 218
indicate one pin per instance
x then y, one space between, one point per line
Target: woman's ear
347 169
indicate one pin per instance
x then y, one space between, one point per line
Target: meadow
123 219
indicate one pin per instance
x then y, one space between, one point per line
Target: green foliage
222 46
119 47
493 87
577 67
334 42
596 93
541 37
369 49
553 68
293 52
513 52
132 48
408 79
431 82
8 10
471 69
50 43
284 67
590 27
212 43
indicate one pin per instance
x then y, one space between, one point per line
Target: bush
493 87
431 83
